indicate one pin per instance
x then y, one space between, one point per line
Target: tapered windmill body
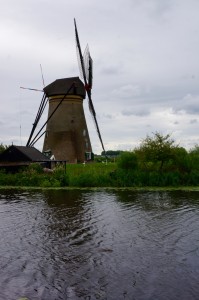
66 134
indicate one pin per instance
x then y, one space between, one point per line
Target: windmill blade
93 113
80 56
42 75
79 64
87 83
38 116
36 140
25 88
90 72
86 61
37 90
88 64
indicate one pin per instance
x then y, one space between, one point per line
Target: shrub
128 160
35 168
45 183
60 175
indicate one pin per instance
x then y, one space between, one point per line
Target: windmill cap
61 86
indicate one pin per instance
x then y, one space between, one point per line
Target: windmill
66 134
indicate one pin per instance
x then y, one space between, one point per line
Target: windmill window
88 155
84 132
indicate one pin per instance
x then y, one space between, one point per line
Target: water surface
59 244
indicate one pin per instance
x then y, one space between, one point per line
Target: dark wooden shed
15 157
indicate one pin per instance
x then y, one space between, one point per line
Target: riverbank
98 175
142 189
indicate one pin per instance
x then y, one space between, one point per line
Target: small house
15 157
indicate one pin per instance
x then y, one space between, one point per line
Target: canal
103 244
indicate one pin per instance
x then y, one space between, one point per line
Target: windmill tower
66 135
66 132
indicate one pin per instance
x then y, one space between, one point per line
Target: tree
194 150
182 159
194 157
111 152
156 150
2 148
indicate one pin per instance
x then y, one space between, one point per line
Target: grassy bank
99 175
77 175
157 163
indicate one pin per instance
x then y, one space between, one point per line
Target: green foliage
84 180
157 162
194 158
3 148
128 160
109 156
181 160
156 150
90 174
35 168
112 152
194 150
60 176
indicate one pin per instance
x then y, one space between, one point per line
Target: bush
127 161
35 168
60 175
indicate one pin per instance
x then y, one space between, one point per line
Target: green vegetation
157 162
3 147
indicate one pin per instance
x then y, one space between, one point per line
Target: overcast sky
146 66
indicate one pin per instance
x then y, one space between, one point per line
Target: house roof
22 153
61 86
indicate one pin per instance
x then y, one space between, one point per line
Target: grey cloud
127 91
188 104
136 112
108 116
193 121
110 70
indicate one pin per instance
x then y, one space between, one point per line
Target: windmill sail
88 64
38 116
90 74
86 71
80 56
25 88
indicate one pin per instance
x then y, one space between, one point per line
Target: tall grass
76 175
100 175
90 175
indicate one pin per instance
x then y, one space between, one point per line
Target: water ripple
99 245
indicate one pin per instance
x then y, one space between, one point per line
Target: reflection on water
58 244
